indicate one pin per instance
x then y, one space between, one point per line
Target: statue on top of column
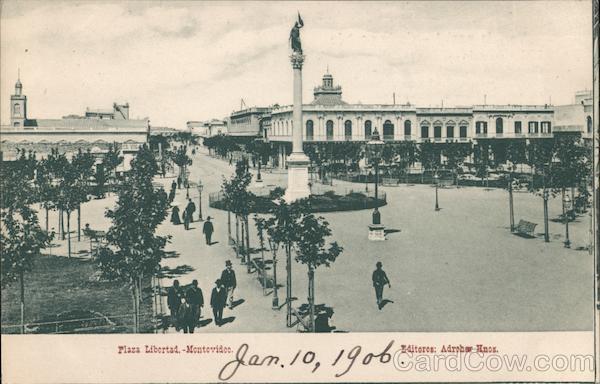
295 35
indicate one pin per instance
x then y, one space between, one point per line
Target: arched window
589 124
499 125
424 131
329 129
388 130
368 130
407 124
463 131
450 130
17 110
348 130
310 131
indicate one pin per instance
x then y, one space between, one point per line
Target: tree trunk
288 289
311 297
79 223
229 239
248 255
47 224
22 278
135 305
69 233
237 237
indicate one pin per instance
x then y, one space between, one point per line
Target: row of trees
290 225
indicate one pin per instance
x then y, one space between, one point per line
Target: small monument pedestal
376 232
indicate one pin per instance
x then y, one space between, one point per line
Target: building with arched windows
96 130
328 118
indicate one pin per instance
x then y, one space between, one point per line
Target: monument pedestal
297 177
376 232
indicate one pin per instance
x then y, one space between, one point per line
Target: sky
180 61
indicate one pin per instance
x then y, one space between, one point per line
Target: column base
297 177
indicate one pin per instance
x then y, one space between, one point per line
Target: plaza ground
457 269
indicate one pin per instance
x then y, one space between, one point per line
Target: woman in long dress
175 216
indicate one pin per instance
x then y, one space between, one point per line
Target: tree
21 238
429 155
311 251
539 157
455 154
83 164
515 154
282 228
481 155
134 250
112 159
182 160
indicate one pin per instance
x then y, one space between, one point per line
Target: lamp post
200 187
374 147
510 204
274 246
546 234
437 179
566 206
259 142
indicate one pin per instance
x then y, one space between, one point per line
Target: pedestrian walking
172 191
196 300
179 182
174 295
379 280
185 317
229 281
175 216
218 300
186 219
191 208
208 230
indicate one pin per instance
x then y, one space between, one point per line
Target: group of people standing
185 306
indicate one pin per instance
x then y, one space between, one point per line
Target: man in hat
379 280
191 208
208 230
196 300
218 300
174 295
229 281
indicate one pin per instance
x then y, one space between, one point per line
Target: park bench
302 313
390 181
525 229
97 238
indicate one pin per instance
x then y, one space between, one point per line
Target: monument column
297 162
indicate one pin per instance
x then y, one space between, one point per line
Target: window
329 128
450 131
407 127
388 130
368 130
533 127
546 128
589 124
17 110
310 130
348 130
437 131
518 128
424 131
499 125
463 131
481 127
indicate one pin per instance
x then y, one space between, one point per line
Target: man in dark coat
179 182
186 219
218 300
229 281
379 280
185 317
208 230
196 300
174 295
172 191
191 208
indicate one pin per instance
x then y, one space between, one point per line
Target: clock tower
18 106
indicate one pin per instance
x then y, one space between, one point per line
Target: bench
525 229
260 267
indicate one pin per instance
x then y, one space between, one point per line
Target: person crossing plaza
229 281
218 300
379 280
174 295
208 230
196 300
